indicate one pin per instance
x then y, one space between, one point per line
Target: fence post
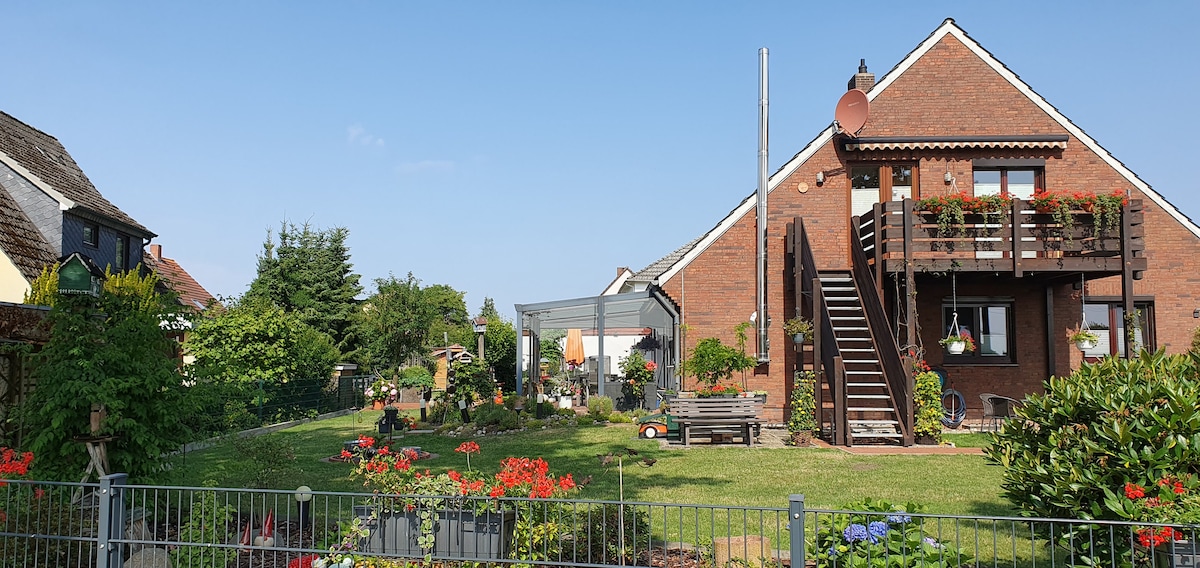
112 521
796 529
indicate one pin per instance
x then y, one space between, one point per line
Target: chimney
621 270
156 252
862 80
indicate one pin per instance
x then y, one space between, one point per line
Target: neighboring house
949 117
190 292
50 209
458 355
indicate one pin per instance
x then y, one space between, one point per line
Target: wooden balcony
895 236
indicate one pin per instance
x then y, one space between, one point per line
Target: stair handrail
898 379
825 350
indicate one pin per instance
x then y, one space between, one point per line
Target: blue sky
523 150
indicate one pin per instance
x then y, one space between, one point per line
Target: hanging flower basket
1085 339
958 344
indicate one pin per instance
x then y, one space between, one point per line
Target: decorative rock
149 558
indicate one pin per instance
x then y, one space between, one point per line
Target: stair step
846 318
861 361
865 385
845 308
870 396
836 329
864 372
858 349
868 409
875 423
840 299
831 278
875 435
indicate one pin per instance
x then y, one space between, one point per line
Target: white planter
565 401
1086 344
798 338
956 347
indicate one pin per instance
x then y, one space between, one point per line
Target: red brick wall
949 92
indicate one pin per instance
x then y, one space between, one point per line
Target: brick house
879 280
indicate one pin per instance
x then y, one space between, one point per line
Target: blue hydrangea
877 529
856 532
931 542
899 519
833 552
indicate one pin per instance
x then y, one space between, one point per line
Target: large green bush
1107 423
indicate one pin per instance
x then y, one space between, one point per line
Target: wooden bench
715 416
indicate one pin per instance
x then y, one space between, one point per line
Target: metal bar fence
112 524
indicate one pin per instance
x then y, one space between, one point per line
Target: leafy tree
113 352
395 322
309 273
452 320
711 361
264 351
500 345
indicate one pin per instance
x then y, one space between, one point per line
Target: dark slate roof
47 159
661 265
20 239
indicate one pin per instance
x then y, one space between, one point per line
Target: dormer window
91 234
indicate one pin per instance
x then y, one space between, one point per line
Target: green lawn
719 475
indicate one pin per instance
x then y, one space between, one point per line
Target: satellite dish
851 112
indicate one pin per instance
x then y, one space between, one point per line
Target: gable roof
948 28
43 160
191 293
20 240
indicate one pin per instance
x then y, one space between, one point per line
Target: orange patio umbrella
573 353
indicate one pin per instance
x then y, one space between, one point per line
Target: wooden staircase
865 395
870 411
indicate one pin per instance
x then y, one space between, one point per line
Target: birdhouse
77 274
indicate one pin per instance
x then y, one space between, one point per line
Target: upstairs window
878 183
120 260
1019 182
91 234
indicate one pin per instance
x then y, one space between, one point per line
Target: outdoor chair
996 408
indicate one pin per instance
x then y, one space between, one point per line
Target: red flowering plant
638 371
1166 505
719 389
400 487
15 464
950 211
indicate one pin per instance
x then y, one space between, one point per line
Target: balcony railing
1016 240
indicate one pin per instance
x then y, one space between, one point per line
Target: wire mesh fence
111 524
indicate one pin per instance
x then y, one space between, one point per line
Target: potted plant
638 372
1170 500
417 513
712 362
799 328
950 210
1107 211
381 393
1084 338
1059 206
959 343
802 423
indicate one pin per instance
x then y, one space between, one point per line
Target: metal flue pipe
761 211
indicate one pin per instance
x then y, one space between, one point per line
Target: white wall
13 285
